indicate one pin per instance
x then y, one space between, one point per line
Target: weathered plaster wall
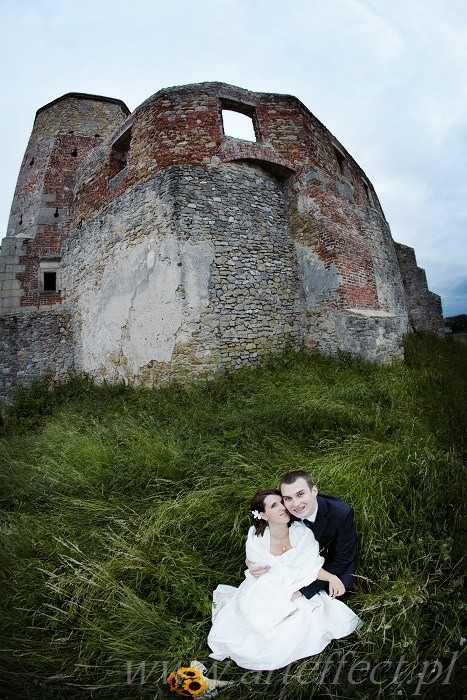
118 275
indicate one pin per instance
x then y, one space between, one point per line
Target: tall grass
123 508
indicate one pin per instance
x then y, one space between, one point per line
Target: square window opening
49 282
49 275
238 121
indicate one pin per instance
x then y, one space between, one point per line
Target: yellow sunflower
195 687
172 681
189 672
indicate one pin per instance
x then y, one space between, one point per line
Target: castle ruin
153 246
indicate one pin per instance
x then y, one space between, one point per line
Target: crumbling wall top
184 125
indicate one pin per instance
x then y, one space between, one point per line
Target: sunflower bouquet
190 681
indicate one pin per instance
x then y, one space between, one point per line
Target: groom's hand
336 587
256 571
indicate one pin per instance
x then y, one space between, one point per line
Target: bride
266 623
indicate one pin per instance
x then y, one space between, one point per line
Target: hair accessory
256 515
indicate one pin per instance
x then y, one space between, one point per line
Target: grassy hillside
122 509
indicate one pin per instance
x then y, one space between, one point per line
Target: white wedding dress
256 624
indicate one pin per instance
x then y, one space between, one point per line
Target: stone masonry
152 246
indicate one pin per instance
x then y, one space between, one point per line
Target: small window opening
238 121
21 220
340 159
367 192
74 152
56 215
119 153
49 275
50 282
31 162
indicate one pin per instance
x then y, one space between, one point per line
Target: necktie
308 523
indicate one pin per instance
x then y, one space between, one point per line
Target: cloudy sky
387 77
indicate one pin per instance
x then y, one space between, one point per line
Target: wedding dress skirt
257 626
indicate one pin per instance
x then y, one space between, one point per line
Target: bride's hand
256 571
295 595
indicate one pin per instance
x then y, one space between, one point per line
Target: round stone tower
65 132
192 250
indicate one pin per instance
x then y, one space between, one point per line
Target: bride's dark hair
257 504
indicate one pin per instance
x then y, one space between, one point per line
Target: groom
332 523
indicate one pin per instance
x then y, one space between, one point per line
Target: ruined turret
65 131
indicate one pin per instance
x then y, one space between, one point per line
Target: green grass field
122 509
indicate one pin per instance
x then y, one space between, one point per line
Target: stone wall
33 344
254 292
424 307
201 269
12 252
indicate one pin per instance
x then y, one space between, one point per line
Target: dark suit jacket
334 529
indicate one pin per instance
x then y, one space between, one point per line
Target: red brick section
174 129
65 132
57 181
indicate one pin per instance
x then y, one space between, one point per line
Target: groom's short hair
291 477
